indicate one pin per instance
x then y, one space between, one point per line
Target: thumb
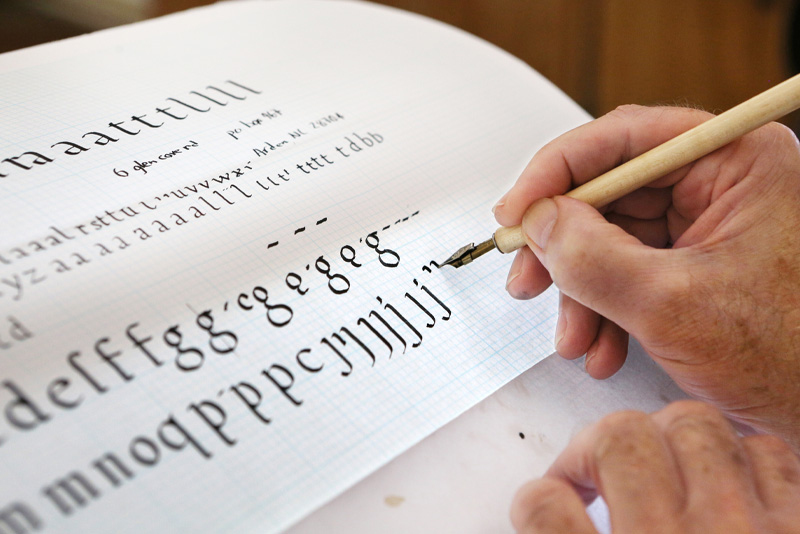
599 264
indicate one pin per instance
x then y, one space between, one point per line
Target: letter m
18 518
70 491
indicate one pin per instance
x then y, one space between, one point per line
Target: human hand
680 470
719 308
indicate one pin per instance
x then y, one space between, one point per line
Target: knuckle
633 111
769 444
544 507
623 422
780 133
786 465
620 438
689 408
549 491
628 111
580 256
693 417
698 428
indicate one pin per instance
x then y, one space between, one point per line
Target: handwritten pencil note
218 299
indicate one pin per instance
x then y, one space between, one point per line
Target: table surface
462 478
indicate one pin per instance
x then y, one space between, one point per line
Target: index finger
592 149
624 457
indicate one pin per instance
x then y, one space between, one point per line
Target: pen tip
457 258
461 257
468 253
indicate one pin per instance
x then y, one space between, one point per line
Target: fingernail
513 274
561 328
500 203
539 220
589 358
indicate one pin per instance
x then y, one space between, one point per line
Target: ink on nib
468 253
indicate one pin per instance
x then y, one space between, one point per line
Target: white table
462 478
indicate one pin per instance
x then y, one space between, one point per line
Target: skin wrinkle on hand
683 468
719 312
730 256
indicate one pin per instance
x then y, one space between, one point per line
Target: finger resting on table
715 467
549 506
776 469
627 460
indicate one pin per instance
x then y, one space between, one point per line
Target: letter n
111 467
19 519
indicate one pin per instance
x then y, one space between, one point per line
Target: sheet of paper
217 307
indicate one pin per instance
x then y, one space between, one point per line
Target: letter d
353 146
364 140
21 412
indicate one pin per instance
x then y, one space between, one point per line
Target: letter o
150 448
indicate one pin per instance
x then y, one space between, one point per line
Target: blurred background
602 53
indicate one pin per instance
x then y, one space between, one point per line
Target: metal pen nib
466 254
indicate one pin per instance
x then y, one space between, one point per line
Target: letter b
364 141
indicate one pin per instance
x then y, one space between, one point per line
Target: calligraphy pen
687 147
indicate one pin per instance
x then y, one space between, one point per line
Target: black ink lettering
105 464
140 344
188 106
383 321
173 338
243 87
408 324
135 450
240 300
306 366
351 256
362 321
209 98
360 344
56 388
73 148
140 118
251 405
294 282
188 439
109 358
261 295
387 257
22 412
117 126
221 342
432 323
165 112
19 518
215 420
282 387
74 490
236 187
71 358
435 298
323 267
324 341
